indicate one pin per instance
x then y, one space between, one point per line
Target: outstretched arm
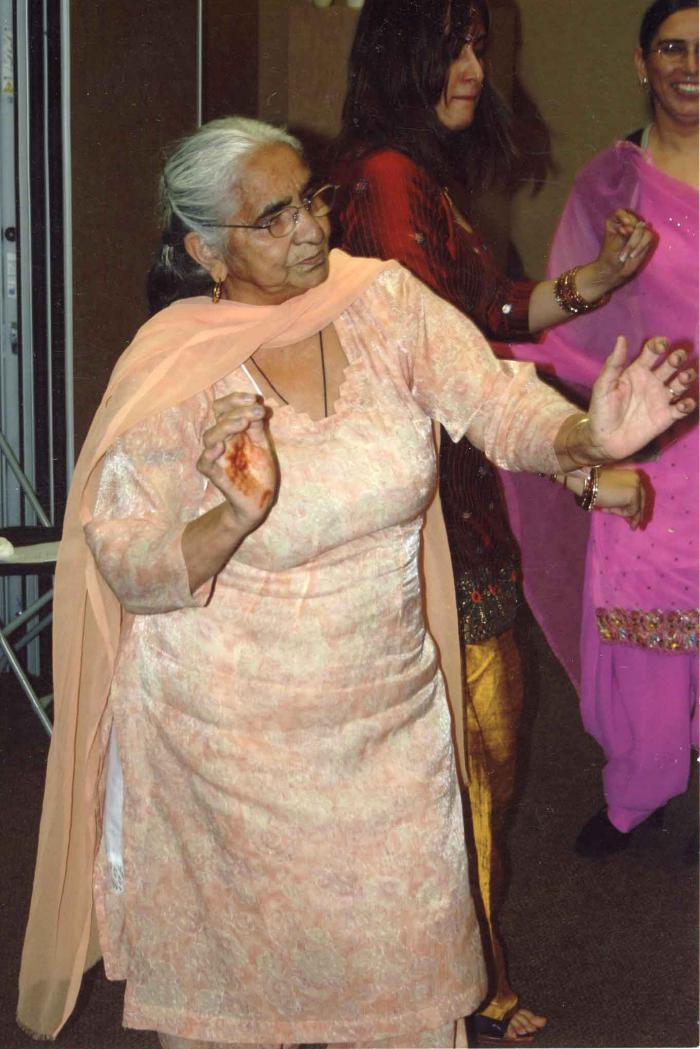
523 424
630 405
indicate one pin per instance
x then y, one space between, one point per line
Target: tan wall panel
273 68
575 64
231 55
319 45
133 91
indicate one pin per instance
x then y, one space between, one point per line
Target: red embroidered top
391 208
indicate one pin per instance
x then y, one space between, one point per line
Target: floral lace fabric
294 863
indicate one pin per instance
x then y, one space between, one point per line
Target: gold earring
216 292
643 80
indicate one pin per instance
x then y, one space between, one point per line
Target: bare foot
524 1024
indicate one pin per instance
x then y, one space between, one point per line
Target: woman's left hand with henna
632 404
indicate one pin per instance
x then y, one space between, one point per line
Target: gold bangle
587 499
581 422
569 298
586 465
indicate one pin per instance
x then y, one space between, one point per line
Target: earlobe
641 68
205 256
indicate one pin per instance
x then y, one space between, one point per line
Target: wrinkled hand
630 405
239 459
622 492
627 242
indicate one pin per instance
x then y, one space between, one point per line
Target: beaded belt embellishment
666 631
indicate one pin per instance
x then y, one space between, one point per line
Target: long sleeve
500 406
149 490
392 209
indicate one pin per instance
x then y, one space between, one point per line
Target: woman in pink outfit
639 635
252 773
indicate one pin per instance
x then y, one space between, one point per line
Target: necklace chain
323 373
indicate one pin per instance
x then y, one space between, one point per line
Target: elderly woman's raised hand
238 458
632 404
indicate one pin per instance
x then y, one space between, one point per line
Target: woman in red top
422 127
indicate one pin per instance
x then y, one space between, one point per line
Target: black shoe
599 837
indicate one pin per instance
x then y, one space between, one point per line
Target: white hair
202 171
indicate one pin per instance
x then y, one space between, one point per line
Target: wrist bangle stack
567 295
587 499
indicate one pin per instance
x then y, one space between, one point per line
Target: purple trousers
642 707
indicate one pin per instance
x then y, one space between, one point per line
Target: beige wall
575 64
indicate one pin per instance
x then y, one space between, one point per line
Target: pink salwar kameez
639 630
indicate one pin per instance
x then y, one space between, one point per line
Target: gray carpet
606 949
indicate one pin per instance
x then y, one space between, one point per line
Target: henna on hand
246 468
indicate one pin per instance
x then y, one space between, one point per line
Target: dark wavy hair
655 15
396 74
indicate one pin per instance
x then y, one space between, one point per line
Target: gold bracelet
582 421
568 297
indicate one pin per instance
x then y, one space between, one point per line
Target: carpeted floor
606 949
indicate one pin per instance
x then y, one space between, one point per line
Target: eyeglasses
283 222
674 51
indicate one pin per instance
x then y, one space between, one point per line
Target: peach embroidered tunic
290 827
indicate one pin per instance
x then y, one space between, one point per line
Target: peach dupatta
182 350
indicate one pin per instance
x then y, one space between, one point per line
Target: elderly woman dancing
252 774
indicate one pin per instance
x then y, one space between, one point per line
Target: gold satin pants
493 705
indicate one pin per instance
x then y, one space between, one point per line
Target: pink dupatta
651 569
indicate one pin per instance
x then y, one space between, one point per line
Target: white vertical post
67 232
24 240
10 496
17 420
50 291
